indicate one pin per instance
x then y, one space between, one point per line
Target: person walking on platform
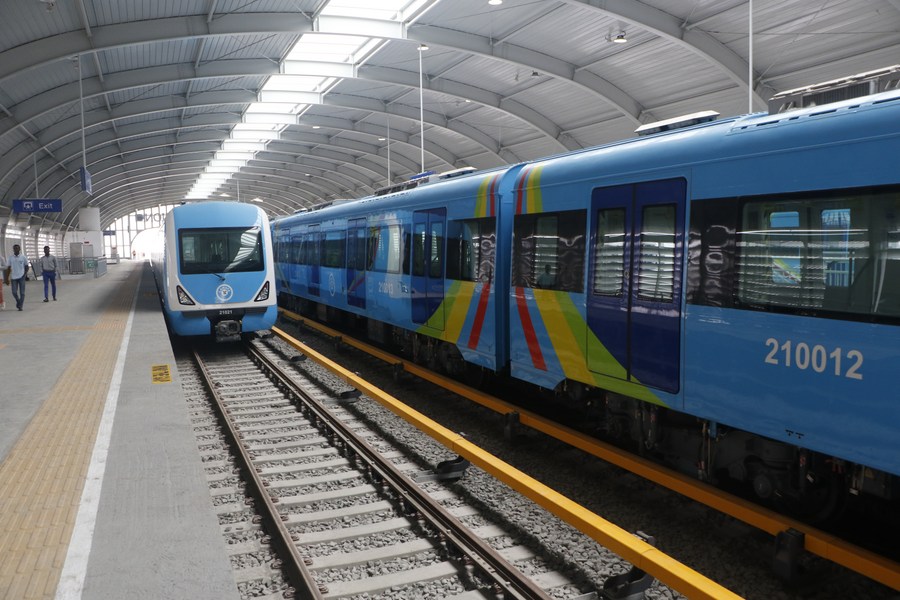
17 271
5 281
48 272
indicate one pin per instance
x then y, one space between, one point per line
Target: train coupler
227 331
630 585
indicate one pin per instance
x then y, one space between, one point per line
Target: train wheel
821 502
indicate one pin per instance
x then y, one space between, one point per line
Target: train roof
707 140
733 137
216 213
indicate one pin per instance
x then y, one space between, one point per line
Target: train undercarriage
810 485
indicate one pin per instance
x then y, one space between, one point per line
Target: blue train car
418 265
745 272
726 295
216 276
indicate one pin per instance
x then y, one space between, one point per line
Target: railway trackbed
313 504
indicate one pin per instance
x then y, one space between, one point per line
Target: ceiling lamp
620 38
495 2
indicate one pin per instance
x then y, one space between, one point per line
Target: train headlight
183 297
263 293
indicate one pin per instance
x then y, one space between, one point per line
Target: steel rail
505 580
815 541
623 543
303 583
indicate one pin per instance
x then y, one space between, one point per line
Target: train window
356 248
609 253
656 261
404 257
470 249
298 250
335 243
418 250
384 250
548 250
312 246
436 251
220 250
831 253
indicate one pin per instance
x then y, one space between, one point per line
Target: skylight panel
383 9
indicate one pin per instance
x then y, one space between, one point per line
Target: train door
294 260
428 267
356 263
634 299
313 258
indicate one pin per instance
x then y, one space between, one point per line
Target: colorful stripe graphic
570 337
534 348
475 334
486 202
528 191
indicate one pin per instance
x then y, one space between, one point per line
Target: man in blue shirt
17 268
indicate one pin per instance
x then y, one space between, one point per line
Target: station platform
102 490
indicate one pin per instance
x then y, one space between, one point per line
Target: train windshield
220 250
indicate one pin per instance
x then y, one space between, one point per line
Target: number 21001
802 356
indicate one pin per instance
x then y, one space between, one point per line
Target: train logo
224 293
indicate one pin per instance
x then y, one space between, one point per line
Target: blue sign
85 180
109 232
24 205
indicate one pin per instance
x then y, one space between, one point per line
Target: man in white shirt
48 271
17 268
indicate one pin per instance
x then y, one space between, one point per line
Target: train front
220 273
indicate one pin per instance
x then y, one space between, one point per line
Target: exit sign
23 205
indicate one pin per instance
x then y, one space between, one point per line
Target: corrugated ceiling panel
653 74
8 142
26 20
28 84
146 92
571 107
478 17
602 132
124 58
143 118
219 108
106 12
230 47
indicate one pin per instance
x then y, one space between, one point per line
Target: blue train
726 295
216 274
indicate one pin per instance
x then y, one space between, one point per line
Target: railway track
313 504
802 559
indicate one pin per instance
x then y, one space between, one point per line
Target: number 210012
803 356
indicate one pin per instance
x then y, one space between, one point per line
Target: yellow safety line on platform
631 548
42 477
817 542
